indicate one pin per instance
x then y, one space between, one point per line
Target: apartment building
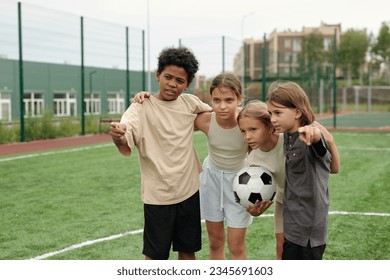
282 49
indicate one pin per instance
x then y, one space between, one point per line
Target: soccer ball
253 183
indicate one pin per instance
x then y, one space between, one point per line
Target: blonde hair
291 95
256 110
228 80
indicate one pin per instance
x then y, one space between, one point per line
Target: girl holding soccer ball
227 152
266 150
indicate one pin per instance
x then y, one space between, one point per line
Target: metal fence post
334 79
143 61
127 98
223 53
82 77
21 76
263 72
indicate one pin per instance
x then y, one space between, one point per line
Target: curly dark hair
181 57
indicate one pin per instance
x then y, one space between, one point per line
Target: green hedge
47 127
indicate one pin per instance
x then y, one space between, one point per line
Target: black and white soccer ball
253 183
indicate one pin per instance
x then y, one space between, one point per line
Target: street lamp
148 46
243 52
90 80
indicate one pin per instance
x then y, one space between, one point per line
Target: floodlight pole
243 52
264 68
334 77
143 61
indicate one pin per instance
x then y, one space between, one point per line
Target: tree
312 54
311 58
381 49
351 53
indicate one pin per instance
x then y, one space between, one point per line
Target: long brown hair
257 110
228 80
291 95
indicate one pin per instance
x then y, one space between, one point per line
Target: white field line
375 149
87 243
359 213
56 152
112 237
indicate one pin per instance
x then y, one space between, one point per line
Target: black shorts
176 224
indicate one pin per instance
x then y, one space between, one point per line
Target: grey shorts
217 202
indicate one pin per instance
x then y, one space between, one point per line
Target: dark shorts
176 224
292 251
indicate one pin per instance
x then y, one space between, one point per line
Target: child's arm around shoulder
335 163
202 122
140 97
198 105
311 134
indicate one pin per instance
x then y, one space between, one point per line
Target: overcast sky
174 19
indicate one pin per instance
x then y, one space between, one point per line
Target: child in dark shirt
308 164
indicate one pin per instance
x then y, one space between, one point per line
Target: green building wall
49 78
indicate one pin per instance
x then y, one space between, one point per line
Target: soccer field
84 203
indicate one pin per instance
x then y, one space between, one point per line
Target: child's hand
117 132
324 131
140 97
309 134
259 207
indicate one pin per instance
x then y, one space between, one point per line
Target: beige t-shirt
227 148
274 161
162 131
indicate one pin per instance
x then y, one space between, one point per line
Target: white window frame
64 103
327 43
34 103
92 104
297 45
5 100
287 43
116 102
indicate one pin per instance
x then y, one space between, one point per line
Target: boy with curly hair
162 128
